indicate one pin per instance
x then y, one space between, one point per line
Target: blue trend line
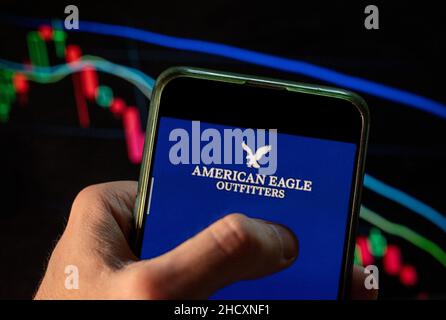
262 59
271 61
405 200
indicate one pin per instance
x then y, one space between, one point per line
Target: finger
358 290
233 248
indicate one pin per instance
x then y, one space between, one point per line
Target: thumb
233 248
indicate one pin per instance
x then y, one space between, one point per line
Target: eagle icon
251 158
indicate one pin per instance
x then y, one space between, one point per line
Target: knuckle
232 235
144 285
85 195
87 202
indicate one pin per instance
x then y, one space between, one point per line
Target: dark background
46 158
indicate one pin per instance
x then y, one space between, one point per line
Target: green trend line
404 232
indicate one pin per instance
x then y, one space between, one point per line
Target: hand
95 241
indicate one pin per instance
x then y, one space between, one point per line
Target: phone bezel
211 75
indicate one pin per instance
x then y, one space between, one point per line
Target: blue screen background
182 205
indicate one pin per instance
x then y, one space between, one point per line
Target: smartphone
292 153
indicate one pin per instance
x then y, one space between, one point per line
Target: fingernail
289 242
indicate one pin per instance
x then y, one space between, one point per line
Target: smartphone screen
293 167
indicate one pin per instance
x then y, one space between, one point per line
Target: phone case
335 93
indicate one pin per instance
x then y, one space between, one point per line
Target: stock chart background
73 108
